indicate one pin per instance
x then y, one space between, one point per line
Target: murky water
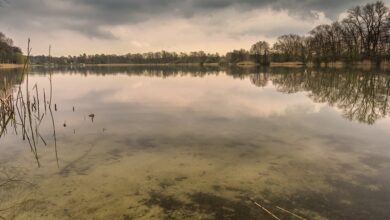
201 143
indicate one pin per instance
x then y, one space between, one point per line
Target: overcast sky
73 27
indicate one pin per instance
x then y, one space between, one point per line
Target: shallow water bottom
158 177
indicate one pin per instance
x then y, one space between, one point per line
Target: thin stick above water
264 209
293 214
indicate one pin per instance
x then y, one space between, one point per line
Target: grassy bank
154 64
287 64
9 65
338 64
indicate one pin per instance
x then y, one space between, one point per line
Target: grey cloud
3 2
299 7
91 32
88 17
118 9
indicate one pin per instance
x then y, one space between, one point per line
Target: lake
197 143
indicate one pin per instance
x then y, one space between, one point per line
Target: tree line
363 35
8 52
162 57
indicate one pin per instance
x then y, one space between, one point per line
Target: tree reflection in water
362 96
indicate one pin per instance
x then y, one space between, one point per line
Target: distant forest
8 52
363 35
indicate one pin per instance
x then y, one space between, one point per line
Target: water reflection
10 78
361 95
202 142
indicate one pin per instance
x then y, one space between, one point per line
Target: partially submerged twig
293 214
278 207
21 107
264 209
51 112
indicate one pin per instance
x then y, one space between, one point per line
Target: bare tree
370 22
260 51
291 47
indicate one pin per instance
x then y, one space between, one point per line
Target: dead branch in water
291 213
51 112
264 209
21 108
278 207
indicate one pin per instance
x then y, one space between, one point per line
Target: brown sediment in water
176 181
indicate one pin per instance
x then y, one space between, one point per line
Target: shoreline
336 65
10 66
151 64
288 64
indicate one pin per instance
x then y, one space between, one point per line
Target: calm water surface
199 143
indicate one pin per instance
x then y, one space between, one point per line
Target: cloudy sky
73 27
